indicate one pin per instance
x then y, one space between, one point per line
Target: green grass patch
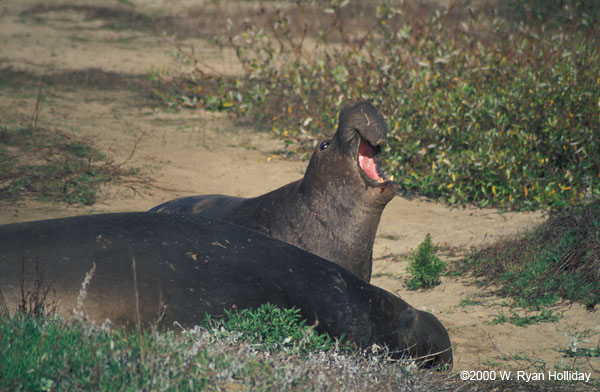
558 260
484 107
49 354
51 166
545 316
391 237
468 302
384 275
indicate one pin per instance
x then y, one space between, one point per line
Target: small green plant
424 266
545 316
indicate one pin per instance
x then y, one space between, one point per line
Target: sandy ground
195 152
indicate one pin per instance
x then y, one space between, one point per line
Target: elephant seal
333 211
186 266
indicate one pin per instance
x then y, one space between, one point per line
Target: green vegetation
468 302
273 329
575 351
424 266
40 352
558 260
392 237
544 316
496 107
50 165
593 352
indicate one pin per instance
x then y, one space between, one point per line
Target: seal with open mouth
152 268
334 210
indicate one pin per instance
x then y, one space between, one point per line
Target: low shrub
424 266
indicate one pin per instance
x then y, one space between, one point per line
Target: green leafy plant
424 266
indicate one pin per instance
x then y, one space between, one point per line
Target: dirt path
98 56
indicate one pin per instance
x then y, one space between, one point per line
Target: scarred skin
187 265
333 211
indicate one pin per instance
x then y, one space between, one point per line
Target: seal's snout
366 120
376 132
364 123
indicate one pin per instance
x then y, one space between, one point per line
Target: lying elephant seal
186 266
333 211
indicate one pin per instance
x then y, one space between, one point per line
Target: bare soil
95 59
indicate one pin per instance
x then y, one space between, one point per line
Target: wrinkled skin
333 211
186 266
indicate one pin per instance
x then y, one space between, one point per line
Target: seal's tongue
366 152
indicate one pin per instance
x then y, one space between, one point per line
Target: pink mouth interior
366 152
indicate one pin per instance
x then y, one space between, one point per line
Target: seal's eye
324 145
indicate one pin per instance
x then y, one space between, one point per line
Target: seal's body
333 211
185 266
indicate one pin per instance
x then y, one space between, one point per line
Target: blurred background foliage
490 103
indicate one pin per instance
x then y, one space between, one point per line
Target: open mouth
368 161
